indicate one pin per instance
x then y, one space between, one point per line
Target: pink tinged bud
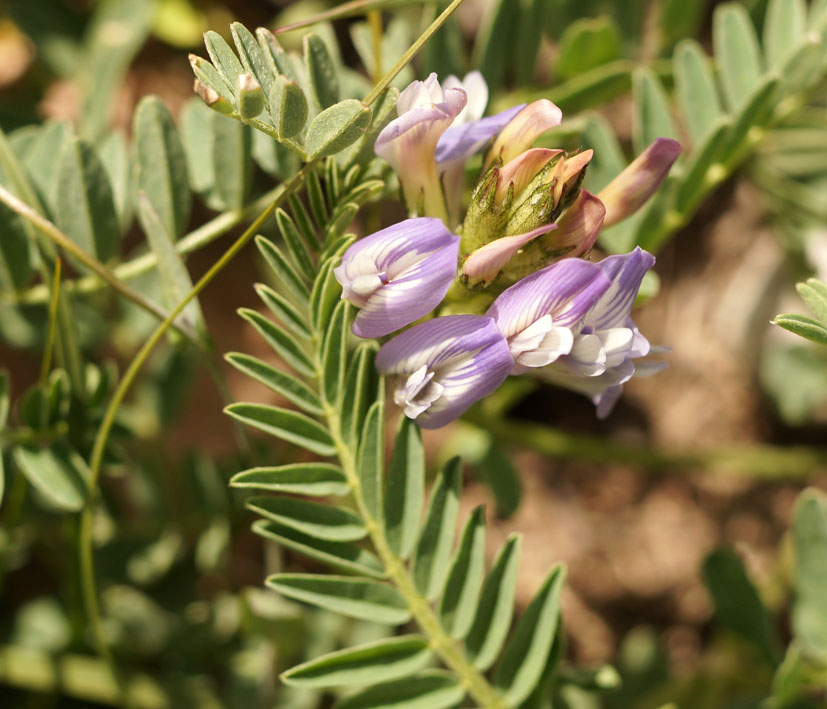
445 365
579 226
409 142
628 191
521 170
398 274
521 132
567 172
483 265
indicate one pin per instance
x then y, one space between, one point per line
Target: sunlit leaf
405 489
315 479
285 424
291 388
333 524
696 90
737 53
57 474
280 341
429 690
809 615
370 462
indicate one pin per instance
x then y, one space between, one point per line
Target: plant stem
46 363
753 461
441 642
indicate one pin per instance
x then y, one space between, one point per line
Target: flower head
398 274
537 314
523 129
445 365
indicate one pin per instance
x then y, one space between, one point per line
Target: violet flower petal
460 142
626 271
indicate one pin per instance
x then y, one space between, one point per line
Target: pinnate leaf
459 600
337 127
288 425
429 690
291 388
327 522
316 479
405 489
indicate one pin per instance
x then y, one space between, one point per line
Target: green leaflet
784 25
325 295
340 555
288 107
809 615
223 58
586 44
115 157
433 550
378 661
652 116
496 607
252 57
370 461
405 489
39 159
84 202
285 424
499 474
15 253
803 326
737 53
251 101
283 270
292 389
700 168
208 75
524 659
196 137
280 341
303 221
275 56
814 293
738 606
333 524
458 604
296 245
354 597
429 690
294 320
162 165
321 71
361 387
696 90
337 127
315 479
175 279
334 354
233 160
316 198
58 474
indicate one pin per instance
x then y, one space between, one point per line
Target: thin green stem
760 462
411 52
46 363
375 22
446 647
57 237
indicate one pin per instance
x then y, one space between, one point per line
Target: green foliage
814 294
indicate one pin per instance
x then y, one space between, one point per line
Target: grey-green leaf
333 524
314 479
175 279
280 341
361 386
354 597
196 135
696 90
295 321
405 489
252 56
495 608
379 661
274 54
344 556
738 606
736 52
652 116
116 159
285 424
803 326
284 271
233 160
56 474
433 550
223 57
524 659
784 26
39 160
809 616
327 292
84 201
370 461
288 107
335 128
162 164
462 588
296 245
321 70
334 354
429 690
814 293
292 389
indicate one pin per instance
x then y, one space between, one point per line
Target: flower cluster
512 293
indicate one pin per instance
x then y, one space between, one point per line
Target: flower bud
521 132
628 191
212 98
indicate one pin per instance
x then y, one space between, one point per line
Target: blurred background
687 488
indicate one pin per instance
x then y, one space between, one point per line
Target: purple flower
409 142
600 360
398 274
628 191
537 314
445 365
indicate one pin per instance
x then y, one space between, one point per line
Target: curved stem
446 647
